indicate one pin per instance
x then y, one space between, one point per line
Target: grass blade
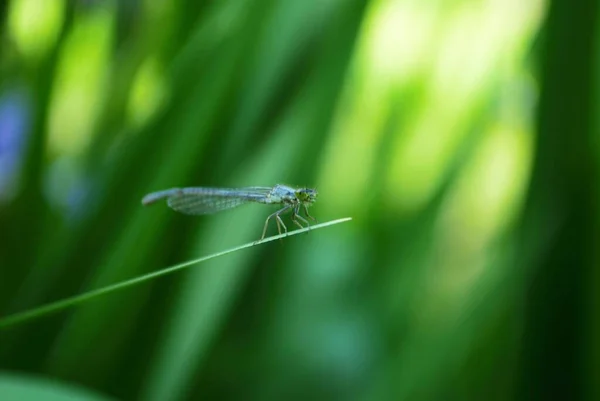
67 302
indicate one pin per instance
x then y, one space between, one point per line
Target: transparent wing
197 201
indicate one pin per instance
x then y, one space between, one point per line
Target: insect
200 200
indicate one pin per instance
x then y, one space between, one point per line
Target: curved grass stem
17 318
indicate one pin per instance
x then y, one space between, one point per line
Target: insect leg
308 215
303 220
277 219
295 215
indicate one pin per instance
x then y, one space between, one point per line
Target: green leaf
15 387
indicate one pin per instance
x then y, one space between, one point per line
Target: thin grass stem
52 307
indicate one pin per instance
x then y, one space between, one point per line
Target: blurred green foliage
459 135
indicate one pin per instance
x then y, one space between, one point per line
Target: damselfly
199 200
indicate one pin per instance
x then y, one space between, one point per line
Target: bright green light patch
397 40
147 93
80 82
422 154
486 197
391 49
463 71
35 25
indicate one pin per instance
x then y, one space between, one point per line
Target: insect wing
202 204
198 201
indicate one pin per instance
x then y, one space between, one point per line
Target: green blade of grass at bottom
11 320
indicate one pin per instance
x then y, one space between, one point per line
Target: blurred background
460 136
